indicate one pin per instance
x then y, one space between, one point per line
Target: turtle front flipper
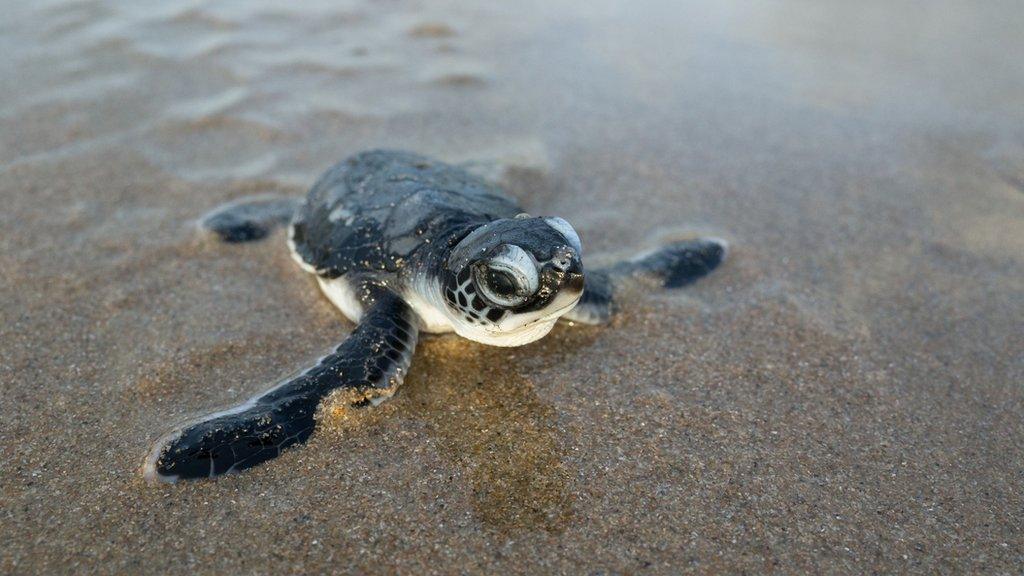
365 369
672 266
248 219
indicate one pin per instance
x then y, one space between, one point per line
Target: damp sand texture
844 395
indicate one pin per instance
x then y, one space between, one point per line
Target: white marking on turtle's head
566 229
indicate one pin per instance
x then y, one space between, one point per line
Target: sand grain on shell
844 395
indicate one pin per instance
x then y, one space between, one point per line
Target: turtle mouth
574 282
524 334
577 294
564 301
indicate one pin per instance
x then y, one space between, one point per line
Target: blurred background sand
844 395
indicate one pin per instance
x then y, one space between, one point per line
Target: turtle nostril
564 258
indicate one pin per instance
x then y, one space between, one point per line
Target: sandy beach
844 395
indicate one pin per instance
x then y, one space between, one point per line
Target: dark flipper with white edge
248 219
672 266
366 368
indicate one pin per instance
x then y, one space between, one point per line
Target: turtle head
508 281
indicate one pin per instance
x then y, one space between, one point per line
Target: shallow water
843 395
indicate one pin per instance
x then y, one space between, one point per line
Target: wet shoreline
843 395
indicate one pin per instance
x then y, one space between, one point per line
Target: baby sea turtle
403 244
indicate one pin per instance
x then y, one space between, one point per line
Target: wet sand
843 395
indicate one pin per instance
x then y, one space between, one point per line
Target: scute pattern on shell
370 212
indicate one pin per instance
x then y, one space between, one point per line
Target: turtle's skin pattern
403 244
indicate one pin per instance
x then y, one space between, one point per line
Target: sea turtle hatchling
403 244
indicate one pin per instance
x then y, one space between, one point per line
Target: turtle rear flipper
371 363
248 219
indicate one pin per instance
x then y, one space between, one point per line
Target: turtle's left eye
501 283
508 278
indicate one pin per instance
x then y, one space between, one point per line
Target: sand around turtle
843 395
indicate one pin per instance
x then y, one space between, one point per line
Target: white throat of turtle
425 298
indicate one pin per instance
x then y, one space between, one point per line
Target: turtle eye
501 283
508 278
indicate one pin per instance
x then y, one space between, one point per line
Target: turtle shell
370 212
